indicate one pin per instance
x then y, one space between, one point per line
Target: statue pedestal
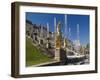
60 55
57 54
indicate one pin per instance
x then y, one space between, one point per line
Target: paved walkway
46 63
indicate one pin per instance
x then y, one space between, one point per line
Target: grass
34 55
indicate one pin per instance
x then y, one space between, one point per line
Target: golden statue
58 36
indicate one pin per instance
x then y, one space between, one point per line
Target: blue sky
72 21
